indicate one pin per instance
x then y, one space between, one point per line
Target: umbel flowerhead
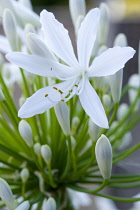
75 73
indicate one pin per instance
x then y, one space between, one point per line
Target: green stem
51 176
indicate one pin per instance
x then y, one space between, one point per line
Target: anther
60 91
62 100
55 88
76 85
46 95
70 91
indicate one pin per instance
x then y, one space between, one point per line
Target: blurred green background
48 2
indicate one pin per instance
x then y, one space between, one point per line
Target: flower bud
37 149
116 79
2 97
23 206
29 28
134 82
46 153
126 140
26 132
37 47
75 124
49 204
6 195
106 101
10 29
77 8
62 114
78 24
93 130
103 24
24 174
103 153
122 110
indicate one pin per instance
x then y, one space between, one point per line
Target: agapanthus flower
74 72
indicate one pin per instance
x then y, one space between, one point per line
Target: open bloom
76 74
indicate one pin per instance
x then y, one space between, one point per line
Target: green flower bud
103 153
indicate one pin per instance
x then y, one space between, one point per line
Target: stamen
62 100
60 91
46 95
70 91
76 85
55 88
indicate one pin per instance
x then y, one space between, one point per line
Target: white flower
76 73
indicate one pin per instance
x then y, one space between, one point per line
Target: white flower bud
37 149
49 204
37 47
24 174
103 24
78 24
126 140
23 206
77 8
116 79
26 3
62 114
134 82
2 97
75 124
10 29
29 28
106 101
93 130
122 110
103 153
26 132
6 195
46 153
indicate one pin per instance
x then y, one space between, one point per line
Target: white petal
110 61
38 103
39 65
57 38
87 36
4 45
92 106
23 206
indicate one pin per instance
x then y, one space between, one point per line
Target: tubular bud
37 149
93 130
49 204
103 153
26 132
46 153
23 206
6 195
122 110
10 28
24 174
62 114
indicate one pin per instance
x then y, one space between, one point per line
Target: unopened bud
37 149
126 140
26 132
2 97
122 110
46 153
134 83
62 114
24 174
10 29
93 130
6 195
49 204
77 8
106 101
103 153
37 47
23 206
78 24
75 124
29 28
